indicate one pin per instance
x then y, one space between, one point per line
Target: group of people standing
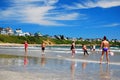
105 46
43 45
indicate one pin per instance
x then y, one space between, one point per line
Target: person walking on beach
26 46
26 53
43 45
105 46
84 47
73 48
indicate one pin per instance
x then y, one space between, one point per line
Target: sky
71 18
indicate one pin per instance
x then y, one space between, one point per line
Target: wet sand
56 65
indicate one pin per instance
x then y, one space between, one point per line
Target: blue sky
72 18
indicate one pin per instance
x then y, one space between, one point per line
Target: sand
57 65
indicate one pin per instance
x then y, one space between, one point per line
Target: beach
57 64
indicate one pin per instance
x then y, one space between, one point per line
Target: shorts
105 49
43 48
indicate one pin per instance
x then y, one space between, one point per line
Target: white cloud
44 2
31 11
108 4
93 4
36 15
112 25
65 16
51 2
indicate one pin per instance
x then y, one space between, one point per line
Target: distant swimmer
105 46
84 47
73 48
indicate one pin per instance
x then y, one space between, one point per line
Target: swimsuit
105 49
72 47
26 45
43 48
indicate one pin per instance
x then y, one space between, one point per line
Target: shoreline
32 45
38 45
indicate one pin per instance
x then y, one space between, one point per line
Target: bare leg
73 52
84 53
26 52
87 52
107 57
43 53
101 58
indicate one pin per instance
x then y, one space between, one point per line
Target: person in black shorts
43 45
84 47
73 48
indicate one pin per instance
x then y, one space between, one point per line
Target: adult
43 45
84 47
105 46
73 48
26 46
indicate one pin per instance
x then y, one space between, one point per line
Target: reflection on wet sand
104 73
43 60
84 64
72 67
25 60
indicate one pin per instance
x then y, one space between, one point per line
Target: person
84 47
26 50
26 46
105 46
43 45
94 47
73 48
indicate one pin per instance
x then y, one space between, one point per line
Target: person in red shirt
26 46
26 50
